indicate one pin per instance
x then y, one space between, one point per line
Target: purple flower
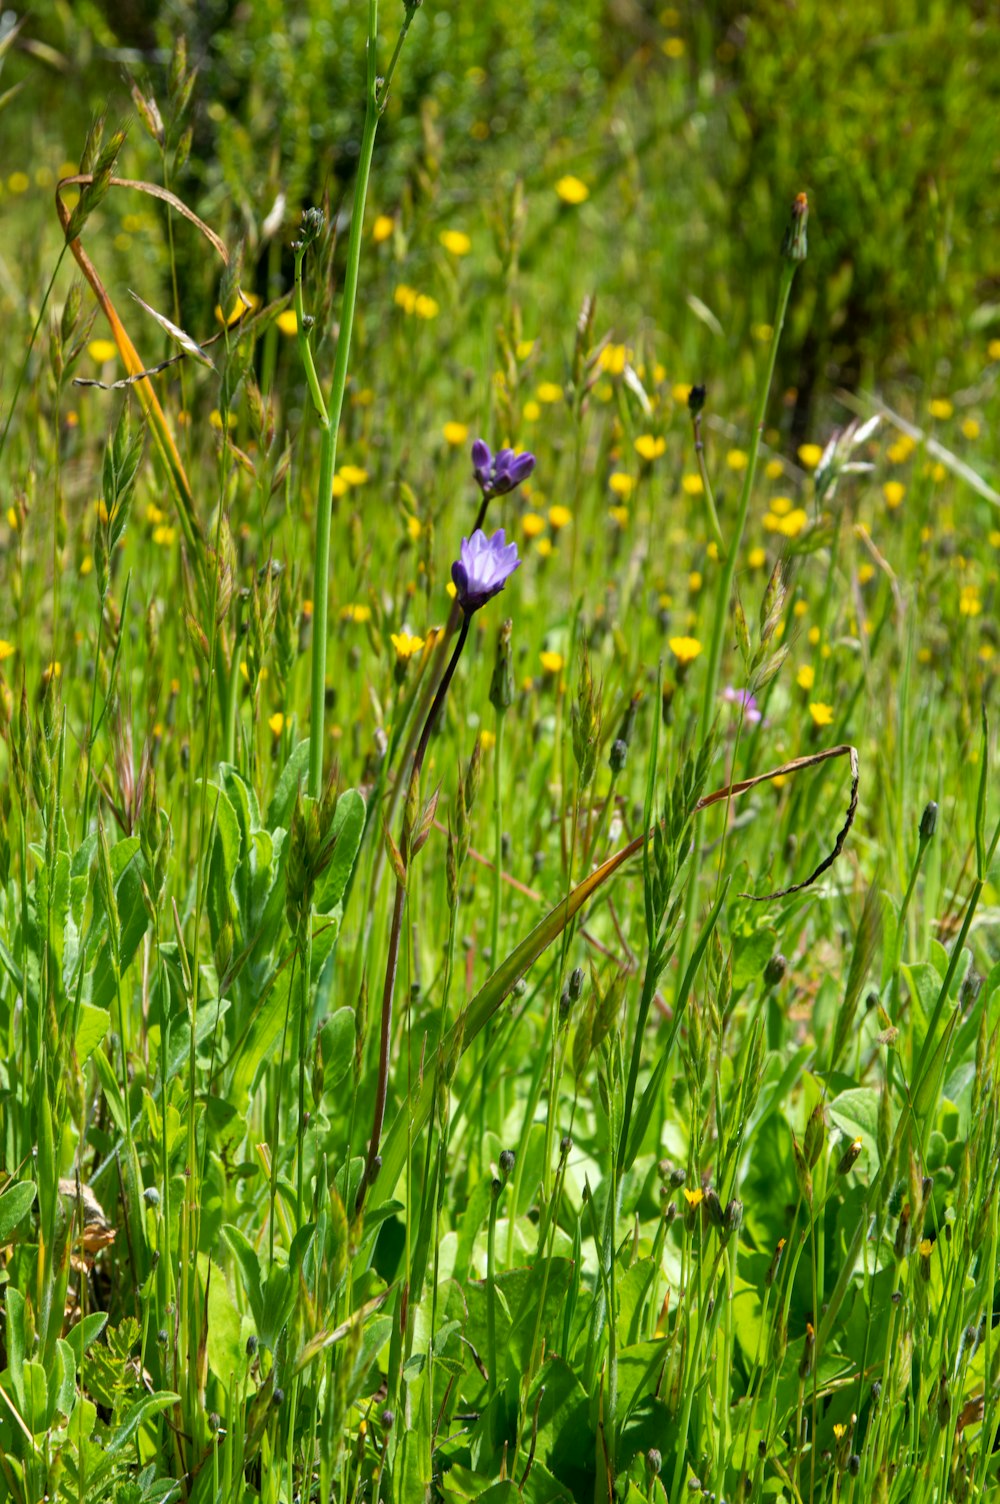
500 473
742 697
483 568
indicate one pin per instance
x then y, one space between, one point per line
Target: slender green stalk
330 414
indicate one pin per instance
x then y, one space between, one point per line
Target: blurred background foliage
695 124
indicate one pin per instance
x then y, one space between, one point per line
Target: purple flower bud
502 473
483 568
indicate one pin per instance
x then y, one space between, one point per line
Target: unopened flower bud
849 1156
506 1161
654 1463
696 400
775 970
618 756
575 984
928 820
502 682
794 245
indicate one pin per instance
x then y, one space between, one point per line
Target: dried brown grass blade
797 764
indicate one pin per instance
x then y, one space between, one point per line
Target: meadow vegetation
499 978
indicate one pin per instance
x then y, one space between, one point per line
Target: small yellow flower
866 573
244 304
543 548
993 349
695 581
969 602
685 649
549 392
925 1247
414 527
694 1197
215 419
86 563
455 433
406 644
681 391
822 715
552 663
450 589
572 190
788 526
52 671
900 449
774 469
810 455
6 649
813 635
276 723
800 608
713 551
839 1430
524 348
12 518
426 307
339 486
487 740
382 228
352 475
455 242
531 412
970 428
940 407
359 613
692 484
619 515
893 491
532 524
164 535
560 516
19 182
405 297
153 514
781 505
674 47
620 483
756 558
650 446
806 677
287 321
736 459
102 350
612 359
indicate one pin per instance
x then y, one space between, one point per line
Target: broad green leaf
91 1031
15 1203
347 830
336 1040
249 1266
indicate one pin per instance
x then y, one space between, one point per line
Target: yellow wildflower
455 433
487 740
164 535
352 475
276 723
524 348
532 524
893 491
572 190
822 715
19 182
406 644
774 469
756 558
549 392
560 516
619 514
359 613
405 297
6 649
544 548
287 321
455 242
685 649
970 428
531 412
695 581
737 459
102 350
810 455
694 1197
674 47
781 505
382 228
681 391
806 677
552 662
650 446
993 349
426 307
620 483
692 484
969 602
940 407
612 359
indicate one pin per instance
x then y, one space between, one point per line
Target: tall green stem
725 590
375 99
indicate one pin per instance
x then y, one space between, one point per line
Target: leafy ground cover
506 1017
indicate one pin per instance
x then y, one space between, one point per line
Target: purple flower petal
483 568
